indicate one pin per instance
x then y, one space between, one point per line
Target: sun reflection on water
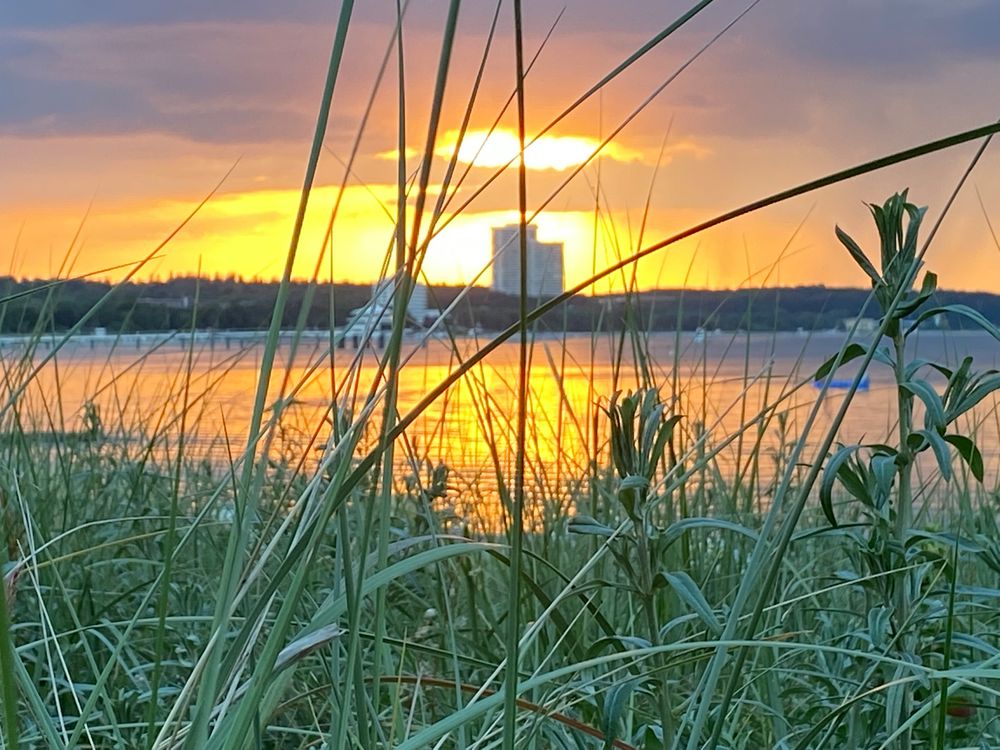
461 446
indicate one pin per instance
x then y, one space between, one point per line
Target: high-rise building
545 263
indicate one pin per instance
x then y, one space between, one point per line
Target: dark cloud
249 71
67 108
64 13
429 14
895 37
209 82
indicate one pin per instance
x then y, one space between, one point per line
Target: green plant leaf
581 524
879 620
963 310
969 452
927 288
883 356
883 468
615 702
676 622
634 482
920 439
851 351
857 480
908 248
676 530
971 641
913 366
663 435
943 538
978 389
306 644
685 587
934 418
833 467
616 643
859 256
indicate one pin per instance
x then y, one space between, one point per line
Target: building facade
544 268
376 314
417 308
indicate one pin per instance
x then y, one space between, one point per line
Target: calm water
721 382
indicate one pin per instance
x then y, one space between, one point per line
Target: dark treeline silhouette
231 303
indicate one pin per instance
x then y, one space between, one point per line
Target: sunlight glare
556 152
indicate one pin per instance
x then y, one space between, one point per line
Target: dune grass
703 574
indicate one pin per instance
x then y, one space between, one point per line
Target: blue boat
844 384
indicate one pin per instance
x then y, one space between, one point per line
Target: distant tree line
231 303
770 309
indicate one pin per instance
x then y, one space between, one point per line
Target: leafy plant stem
663 703
904 518
803 493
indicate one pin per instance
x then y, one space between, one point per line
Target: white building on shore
545 263
376 314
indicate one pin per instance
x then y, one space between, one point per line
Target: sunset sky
137 109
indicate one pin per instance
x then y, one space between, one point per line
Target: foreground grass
684 585
116 547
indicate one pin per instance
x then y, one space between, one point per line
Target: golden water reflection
720 383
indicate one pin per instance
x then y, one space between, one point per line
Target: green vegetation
684 585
